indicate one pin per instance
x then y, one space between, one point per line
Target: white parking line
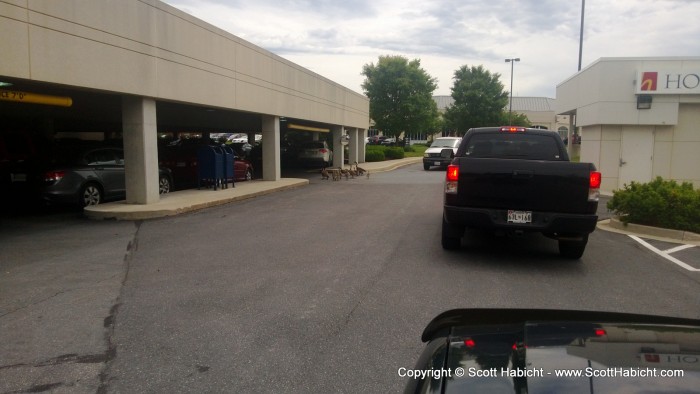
665 254
678 248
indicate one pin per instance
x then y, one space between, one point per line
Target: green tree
479 99
400 96
515 119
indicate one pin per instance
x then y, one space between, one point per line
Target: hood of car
549 351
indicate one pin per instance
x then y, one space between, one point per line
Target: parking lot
325 287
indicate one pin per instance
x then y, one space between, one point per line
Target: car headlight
426 155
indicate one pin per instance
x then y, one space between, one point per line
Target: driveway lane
327 288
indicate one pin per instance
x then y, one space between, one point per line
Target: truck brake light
452 172
512 129
594 186
451 179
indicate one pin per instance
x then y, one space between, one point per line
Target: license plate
519 216
437 163
18 177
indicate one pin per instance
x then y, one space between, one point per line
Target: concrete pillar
362 149
140 133
569 134
354 145
338 151
272 170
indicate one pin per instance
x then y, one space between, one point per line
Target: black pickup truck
515 179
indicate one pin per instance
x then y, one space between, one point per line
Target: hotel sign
668 82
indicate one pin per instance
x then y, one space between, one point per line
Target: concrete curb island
191 200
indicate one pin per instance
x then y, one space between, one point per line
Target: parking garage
126 73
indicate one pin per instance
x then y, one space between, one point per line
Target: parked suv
315 152
436 155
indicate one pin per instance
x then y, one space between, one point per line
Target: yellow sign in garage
33 98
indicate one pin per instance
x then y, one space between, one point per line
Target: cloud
335 39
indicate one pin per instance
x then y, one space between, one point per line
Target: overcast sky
335 38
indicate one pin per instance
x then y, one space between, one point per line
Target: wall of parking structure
148 48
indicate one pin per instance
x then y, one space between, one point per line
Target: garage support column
353 146
272 170
338 151
362 135
570 134
139 127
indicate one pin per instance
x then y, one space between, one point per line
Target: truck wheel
451 239
426 166
572 249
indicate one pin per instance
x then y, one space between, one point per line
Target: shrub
394 153
409 148
661 203
374 155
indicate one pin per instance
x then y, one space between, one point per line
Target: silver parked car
93 177
316 152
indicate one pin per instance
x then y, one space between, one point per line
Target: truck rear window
513 146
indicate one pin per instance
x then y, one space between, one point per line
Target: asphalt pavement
175 302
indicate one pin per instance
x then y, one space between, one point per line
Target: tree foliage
401 96
479 99
515 119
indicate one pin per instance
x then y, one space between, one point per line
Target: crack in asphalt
364 293
110 320
72 358
36 302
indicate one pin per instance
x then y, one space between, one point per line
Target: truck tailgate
530 185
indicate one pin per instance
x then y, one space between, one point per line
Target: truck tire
426 166
450 238
572 249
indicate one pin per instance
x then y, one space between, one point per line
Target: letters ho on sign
668 82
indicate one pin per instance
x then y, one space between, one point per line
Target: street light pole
510 110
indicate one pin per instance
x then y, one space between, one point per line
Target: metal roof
522 104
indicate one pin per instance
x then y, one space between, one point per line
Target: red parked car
180 157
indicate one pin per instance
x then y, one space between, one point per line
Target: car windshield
203 196
445 143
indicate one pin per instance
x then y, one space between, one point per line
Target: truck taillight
451 179
594 186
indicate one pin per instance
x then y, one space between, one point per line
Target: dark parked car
556 351
90 178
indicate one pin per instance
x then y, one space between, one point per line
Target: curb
661 234
402 163
169 207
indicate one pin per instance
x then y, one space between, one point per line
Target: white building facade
638 118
